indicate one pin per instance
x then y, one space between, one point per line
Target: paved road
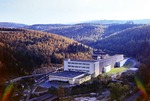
33 88
136 64
23 77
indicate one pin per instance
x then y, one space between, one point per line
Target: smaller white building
107 68
121 63
87 66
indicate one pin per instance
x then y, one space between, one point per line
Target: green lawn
116 70
120 69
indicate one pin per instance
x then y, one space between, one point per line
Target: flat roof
71 74
110 57
81 60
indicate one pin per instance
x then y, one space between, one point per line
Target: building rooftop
70 74
81 60
110 58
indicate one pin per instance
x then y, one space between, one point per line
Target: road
43 78
33 88
135 64
23 77
34 75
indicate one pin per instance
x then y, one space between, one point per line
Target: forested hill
78 32
83 32
133 42
22 51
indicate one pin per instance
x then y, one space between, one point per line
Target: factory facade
87 66
79 71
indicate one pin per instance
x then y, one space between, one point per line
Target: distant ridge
82 32
140 21
19 25
11 25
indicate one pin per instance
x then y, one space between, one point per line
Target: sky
72 11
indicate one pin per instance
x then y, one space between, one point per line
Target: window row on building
78 63
78 70
78 66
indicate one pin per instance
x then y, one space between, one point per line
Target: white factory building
79 71
87 66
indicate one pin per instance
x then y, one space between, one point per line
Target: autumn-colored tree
22 51
61 92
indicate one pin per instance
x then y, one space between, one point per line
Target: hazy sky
66 11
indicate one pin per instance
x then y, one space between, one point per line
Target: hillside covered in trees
133 42
22 51
79 32
84 33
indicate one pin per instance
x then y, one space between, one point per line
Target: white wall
61 78
121 63
83 79
65 65
107 68
82 66
96 68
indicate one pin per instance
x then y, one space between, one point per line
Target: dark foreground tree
118 91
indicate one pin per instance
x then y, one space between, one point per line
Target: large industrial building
79 71
87 66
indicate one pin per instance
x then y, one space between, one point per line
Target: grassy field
120 69
116 70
